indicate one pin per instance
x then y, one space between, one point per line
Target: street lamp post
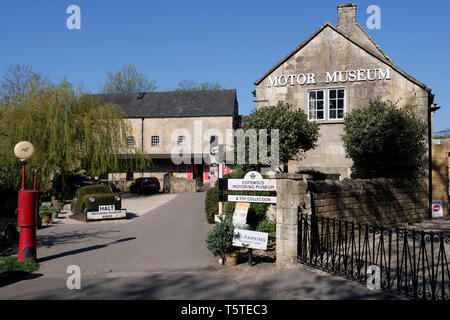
27 206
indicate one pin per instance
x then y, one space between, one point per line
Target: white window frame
326 104
153 142
344 106
324 99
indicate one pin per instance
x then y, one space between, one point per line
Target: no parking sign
436 209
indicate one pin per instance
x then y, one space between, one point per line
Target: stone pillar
440 175
291 192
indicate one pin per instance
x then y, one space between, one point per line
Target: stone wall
384 202
178 185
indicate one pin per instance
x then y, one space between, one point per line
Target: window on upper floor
316 101
130 141
326 104
155 141
181 140
336 104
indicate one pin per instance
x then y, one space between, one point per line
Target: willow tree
71 131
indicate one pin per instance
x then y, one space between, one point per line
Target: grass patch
10 266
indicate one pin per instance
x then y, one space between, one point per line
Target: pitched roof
357 36
175 104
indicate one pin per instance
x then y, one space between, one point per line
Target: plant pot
47 220
231 259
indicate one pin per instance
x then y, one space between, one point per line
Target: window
326 105
336 99
316 105
155 141
213 142
130 141
181 140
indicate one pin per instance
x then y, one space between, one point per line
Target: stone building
177 129
338 68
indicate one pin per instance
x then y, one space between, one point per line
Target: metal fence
411 262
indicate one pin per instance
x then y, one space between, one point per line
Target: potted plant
46 216
220 242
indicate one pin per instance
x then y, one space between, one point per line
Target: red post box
26 220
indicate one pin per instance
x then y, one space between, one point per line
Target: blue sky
233 42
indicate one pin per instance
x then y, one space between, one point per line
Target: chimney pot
346 14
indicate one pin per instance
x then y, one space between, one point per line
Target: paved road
162 255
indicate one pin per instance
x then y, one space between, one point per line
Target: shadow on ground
215 282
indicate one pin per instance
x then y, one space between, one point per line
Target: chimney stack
346 14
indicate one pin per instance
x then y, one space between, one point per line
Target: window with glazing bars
316 105
336 98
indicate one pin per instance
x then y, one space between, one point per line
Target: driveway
162 255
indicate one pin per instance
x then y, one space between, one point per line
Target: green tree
296 134
384 141
70 130
128 80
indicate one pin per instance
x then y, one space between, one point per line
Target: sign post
220 176
253 181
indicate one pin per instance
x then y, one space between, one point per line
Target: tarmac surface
162 255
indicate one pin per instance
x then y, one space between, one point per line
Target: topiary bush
220 239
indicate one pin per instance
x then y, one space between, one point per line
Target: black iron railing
411 262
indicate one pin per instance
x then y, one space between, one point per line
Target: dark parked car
78 181
145 185
97 197
72 183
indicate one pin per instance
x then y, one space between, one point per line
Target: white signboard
436 209
100 215
250 239
240 215
253 181
256 199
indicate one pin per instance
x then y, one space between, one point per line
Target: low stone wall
384 202
178 185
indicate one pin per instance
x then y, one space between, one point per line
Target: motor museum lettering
334 77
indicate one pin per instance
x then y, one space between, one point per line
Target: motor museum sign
253 181
343 76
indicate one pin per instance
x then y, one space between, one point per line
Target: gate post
291 193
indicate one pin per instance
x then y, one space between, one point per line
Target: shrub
266 226
384 141
212 203
45 213
228 209
220 239
256 214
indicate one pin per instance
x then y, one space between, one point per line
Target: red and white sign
437 210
